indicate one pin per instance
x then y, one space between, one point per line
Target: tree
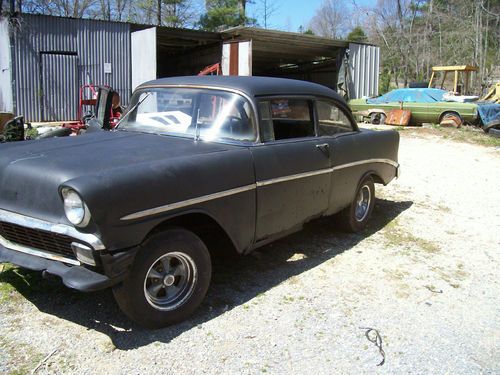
65 8
357 35
307 31
265 10
173 13
415 35
331 19
178 13
222 14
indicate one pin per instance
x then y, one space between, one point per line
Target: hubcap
170 281
363 201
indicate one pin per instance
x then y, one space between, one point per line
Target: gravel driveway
425 274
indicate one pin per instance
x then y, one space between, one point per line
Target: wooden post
455 85
432 78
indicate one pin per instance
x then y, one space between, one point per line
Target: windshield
196 113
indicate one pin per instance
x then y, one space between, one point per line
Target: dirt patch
425 274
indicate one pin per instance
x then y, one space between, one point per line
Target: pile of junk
99 109
448 99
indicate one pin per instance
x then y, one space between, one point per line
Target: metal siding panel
95 43
60 87
364 69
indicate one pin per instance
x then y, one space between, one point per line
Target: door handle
324 148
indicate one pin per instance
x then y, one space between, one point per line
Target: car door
292 167
337 128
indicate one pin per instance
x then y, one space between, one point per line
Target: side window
331 119
225 116
286 119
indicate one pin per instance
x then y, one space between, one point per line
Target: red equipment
86 100
214 69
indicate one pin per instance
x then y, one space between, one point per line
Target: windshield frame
252 115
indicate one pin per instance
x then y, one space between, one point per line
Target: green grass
396 235
17 282
21 358
465 134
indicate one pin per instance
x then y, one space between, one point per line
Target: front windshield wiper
132 109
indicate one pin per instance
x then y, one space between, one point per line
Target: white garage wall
143 45
244 58
6 99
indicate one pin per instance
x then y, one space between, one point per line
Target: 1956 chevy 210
250 159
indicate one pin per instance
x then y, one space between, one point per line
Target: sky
291 14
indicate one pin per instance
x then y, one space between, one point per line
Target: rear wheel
168 281
452 119
355 217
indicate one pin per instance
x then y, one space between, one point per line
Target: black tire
378 118
62 132
494 133
418 85
145 299
353 218
491 125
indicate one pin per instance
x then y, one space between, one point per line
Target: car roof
252 86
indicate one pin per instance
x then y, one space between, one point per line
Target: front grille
37 239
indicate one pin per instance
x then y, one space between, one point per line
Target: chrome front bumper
37 224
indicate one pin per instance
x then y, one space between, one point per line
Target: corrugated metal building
51 57
44 60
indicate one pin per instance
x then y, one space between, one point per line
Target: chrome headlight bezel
75 209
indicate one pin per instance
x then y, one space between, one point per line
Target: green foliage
414 36
223 14
384 82
357 35
307 31
31 133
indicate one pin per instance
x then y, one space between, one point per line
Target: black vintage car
247 159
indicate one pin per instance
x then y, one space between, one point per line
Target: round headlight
75 209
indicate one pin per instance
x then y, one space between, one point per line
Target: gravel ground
425 274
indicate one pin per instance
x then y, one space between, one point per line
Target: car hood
32 172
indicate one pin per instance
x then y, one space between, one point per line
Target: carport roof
286 44
173 40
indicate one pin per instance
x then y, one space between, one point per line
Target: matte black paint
119 173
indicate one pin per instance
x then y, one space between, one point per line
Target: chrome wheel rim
363 201
170 281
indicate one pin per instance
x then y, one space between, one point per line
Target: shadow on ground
234 283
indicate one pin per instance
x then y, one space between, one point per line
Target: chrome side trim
293 177
188 202
367 161
42 254
31 222
204 198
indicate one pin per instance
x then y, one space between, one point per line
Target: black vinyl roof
252 86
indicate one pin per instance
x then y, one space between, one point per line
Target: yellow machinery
465 69
494 94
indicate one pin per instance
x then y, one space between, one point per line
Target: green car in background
426 105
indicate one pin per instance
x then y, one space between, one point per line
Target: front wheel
355 217
168 281
378 118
